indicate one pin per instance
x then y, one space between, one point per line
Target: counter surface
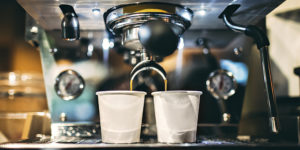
202 143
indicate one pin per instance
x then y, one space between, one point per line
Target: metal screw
34 30
53 50
133 60
96 11
205 51
63 117
226 117
238 51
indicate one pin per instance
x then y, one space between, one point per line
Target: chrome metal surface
271 101
84 108
48 14
69 85
148 68
179 10
226 117
232 26
274 126
116 19
70 27
144 55
130 39
143 64
148 65
216 82
63 117
126 24
65 132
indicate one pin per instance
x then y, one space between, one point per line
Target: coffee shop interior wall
16 54
284 35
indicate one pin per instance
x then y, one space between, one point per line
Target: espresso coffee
165 82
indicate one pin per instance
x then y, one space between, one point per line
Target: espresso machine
87 46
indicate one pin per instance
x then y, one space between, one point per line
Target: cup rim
176 92
114 92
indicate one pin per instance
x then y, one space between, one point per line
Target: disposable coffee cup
121 115
176 114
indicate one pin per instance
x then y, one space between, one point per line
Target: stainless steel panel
48 14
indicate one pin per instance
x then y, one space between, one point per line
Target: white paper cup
176 114
121 115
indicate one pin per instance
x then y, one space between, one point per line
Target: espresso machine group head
149 30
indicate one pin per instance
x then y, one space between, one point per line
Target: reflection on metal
70 29
148 65
106 45
148 68
238 69
221 84
63 117
226 117
232 26
31 31
274 125
53 50
68 132
130 23
69 85
179 58
96 11
271 101
238 51
203 42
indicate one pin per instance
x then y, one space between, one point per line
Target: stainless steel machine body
74 110
70 92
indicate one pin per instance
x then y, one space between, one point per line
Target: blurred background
21 75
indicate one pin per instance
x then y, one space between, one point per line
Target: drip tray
148 143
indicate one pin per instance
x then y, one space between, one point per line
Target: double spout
148 65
